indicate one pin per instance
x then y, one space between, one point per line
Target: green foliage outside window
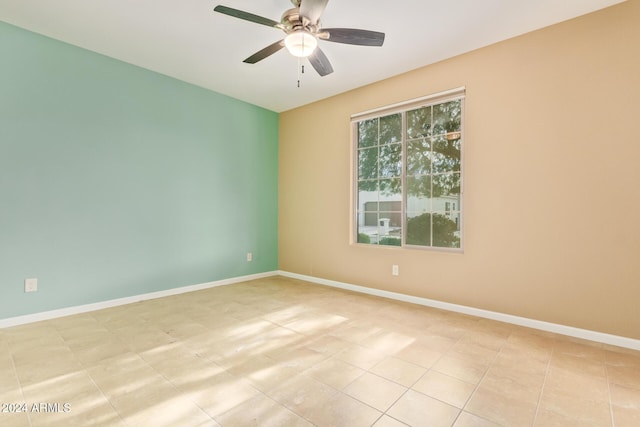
444 231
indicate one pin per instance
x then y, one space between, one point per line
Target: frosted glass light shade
300 43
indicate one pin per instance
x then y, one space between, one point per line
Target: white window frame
402 107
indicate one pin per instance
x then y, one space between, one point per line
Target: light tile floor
281 352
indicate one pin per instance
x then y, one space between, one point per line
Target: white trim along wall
599 337
68 311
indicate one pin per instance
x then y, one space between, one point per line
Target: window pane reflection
390 160
419 123
391 188
446 230
446 154
446 117
446 185
368 133
391 129
368 163
418 157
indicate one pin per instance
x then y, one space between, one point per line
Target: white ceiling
185 39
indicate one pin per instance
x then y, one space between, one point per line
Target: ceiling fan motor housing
292 21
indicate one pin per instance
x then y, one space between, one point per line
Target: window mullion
378 163
431 141
403 157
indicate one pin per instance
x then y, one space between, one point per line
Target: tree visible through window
409 175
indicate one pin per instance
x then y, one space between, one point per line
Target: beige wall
552 179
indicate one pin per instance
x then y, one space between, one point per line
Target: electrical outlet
395 271
249 257
30 285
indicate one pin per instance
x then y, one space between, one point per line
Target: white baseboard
46 315
600 337
507 318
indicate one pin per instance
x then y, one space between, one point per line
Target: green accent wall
117 181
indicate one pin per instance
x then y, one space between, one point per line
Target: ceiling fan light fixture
301 43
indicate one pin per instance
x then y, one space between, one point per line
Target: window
408 173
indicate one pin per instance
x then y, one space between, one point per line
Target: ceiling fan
303 30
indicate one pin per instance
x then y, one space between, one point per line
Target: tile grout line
606 373
544 383
94 381
368 371
480 382
430 369
416 381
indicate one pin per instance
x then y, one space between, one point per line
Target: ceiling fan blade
320 62
246 16
267 51
312 9
352 36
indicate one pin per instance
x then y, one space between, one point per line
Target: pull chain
300 70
